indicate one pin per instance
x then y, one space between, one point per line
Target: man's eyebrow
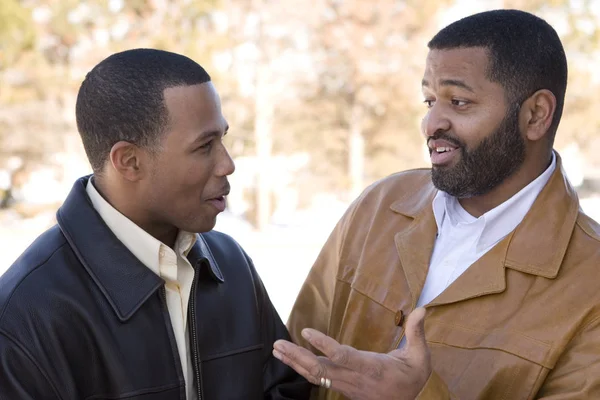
210 134
451 82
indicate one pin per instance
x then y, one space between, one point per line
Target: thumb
415 331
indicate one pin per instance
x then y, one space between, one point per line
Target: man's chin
206 228
442 181
206 225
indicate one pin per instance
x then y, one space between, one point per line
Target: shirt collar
499 221
439 208
140 243
121 277
184 242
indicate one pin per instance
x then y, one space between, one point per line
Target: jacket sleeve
20 376
315 301
279 381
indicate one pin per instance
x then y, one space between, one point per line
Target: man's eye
459 103
428 103
206 146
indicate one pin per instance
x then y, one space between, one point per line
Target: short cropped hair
122 99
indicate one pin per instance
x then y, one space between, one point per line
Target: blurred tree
266 65
46 48
339 80
369 57
16 32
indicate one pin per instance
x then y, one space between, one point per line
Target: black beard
485 167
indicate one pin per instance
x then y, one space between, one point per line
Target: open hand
363 375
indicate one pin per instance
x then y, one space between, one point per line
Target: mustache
448 137
223 191
226 187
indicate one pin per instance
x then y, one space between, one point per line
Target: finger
308 365
290 362
342 380
301 360
415 331
342 355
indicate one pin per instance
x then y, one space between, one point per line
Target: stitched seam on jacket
585 327
577 334
157 389
30 357
234 352
365 295
532 393
26 276
83 261
484 332
507 390
484 348
587 231
212 256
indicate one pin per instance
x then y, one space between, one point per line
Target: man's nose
225 166
434 121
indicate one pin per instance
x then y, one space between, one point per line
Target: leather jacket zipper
197 366
163 292
194 335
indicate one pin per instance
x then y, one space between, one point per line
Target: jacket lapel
415 246
485 276
415 243
537 246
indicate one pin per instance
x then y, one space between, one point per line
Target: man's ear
127 159
536 114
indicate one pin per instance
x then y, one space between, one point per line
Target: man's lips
441 145
442 151
218 202
220 195
219 199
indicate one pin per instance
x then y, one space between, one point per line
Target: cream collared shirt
170 264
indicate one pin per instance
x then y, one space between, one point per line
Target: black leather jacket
82 318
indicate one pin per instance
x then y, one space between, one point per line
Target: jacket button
399 318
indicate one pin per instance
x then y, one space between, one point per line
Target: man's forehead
202 92
466 65
185 102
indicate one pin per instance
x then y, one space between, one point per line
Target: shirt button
399 320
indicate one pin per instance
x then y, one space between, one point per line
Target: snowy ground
282 255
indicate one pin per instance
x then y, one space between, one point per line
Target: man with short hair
488 251
132 295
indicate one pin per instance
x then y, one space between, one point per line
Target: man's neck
121 200
479 205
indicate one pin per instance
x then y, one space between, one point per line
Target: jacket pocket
159 393
515 343
235 374
495 364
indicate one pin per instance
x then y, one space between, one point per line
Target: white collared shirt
171 265
462 238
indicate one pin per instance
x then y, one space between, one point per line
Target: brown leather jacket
523 322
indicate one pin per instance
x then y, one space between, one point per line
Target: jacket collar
528 248
122 278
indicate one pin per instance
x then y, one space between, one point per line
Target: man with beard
487 251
